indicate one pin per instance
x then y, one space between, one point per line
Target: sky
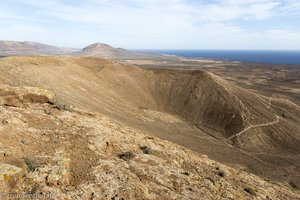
154 24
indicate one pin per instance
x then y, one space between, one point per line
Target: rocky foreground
51 150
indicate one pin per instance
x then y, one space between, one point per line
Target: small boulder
127 156
10 177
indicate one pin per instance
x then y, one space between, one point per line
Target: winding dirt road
255 126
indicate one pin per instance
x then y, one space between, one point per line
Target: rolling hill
104 50
101 50
30 48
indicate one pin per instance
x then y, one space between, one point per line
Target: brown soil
209 115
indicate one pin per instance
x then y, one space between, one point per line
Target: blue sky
154 24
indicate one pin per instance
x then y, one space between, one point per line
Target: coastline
283 57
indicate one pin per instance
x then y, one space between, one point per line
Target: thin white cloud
91 10
151 24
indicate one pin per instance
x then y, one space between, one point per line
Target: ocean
256 56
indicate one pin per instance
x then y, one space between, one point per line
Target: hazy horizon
150 49
165 24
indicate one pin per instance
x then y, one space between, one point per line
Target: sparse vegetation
62 106
250 191
59 105
293 185
48 112
146 150
127 155
222 173
31 163
186 173
88 149
143 108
